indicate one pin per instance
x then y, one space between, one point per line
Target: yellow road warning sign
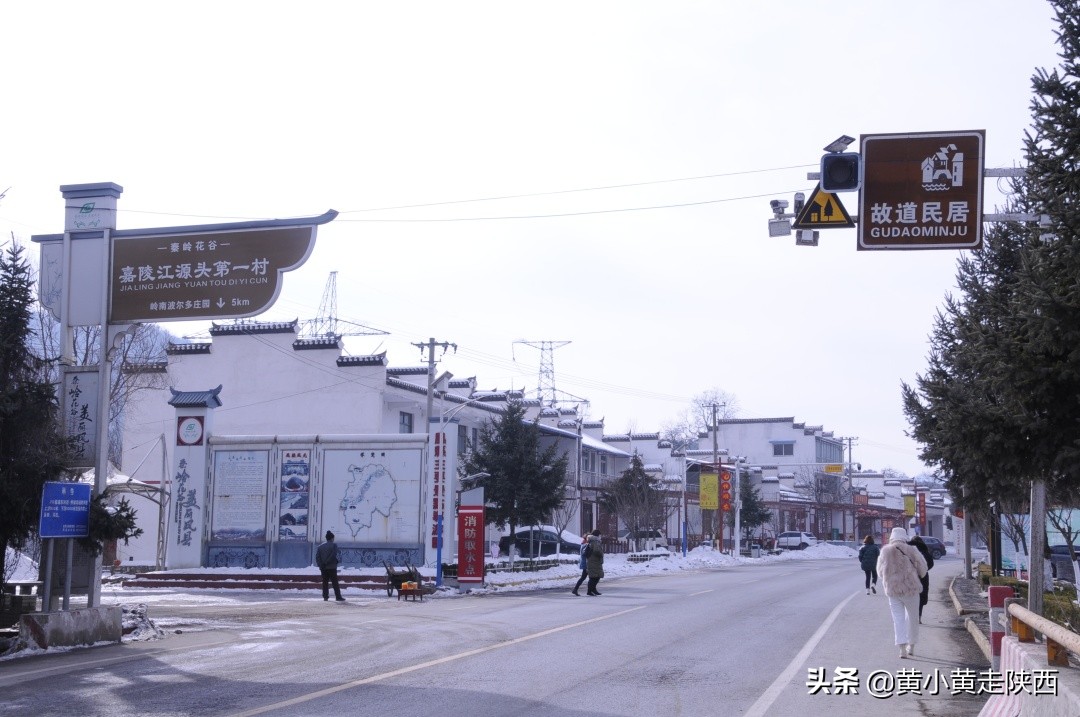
823 211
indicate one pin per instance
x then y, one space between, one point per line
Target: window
405 423
462 440
783 449
603 464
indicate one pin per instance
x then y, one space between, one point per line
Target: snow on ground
615 566
138 602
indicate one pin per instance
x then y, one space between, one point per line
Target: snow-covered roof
590 442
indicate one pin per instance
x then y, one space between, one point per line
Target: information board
65 510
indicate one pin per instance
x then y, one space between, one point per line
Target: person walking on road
901 568
594 562
924 596
327 558
868 555
582 564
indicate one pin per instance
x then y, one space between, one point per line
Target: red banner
471 544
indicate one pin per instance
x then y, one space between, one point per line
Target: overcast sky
591 172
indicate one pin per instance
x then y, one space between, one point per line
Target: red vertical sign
438 490
471 544
922 510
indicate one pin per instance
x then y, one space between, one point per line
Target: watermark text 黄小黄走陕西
883 684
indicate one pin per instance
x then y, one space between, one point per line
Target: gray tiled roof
195 399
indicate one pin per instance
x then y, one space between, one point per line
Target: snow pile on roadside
137 625
619 565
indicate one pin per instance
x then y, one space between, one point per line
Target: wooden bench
414 593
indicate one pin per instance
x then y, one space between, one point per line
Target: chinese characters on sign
471 544
922 191
80 413
65 510
186 505
709 490
207 275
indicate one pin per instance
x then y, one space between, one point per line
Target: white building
296 439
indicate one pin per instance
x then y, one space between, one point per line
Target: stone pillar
188 490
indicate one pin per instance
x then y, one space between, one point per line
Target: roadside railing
1060 641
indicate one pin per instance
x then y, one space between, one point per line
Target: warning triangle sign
823 211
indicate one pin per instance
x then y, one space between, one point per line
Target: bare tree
692 421
1015 520
138 363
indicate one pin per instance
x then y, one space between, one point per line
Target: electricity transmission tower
545 387
327 324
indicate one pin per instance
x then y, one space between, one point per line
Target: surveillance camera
778 204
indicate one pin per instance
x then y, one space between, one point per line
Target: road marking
424 665
759 708
700 592
67 667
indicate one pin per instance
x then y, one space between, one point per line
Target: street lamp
446 415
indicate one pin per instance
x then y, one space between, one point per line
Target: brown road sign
922 191
205 272
823 211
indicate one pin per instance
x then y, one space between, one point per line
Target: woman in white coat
901 568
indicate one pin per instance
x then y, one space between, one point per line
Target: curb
973 628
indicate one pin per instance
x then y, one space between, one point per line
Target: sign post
96 275
922 191
471 523
65 513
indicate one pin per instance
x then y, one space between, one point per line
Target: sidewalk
856 668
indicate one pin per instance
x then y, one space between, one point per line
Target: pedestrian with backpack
924 596
868 555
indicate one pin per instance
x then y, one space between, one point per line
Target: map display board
372 494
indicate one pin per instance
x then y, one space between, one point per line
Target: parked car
935 546
1061 562
533 542
795 541
645 539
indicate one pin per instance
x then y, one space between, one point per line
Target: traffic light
725 490
840 172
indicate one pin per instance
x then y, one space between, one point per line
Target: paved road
730 641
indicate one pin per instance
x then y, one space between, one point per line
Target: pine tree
32 449
1000 402
752 510
1045 381
523 483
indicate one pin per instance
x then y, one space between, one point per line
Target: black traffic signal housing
841 172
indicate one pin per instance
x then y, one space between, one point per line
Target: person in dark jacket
594 562
868 555
583 565
327 558
924 596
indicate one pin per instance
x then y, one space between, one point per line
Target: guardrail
1060 641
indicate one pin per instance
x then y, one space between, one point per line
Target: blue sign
65 510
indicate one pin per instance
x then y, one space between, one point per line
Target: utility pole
847 473
436 461
715 427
